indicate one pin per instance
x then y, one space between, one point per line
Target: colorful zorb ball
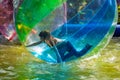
76 28
6 19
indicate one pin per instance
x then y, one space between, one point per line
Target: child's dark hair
44 34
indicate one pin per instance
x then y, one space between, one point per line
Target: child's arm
34 44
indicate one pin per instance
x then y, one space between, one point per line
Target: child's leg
83 51
61 50
70 50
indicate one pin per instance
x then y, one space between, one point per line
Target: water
17 64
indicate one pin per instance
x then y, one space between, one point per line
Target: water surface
17 64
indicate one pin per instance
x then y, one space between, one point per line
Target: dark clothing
66 50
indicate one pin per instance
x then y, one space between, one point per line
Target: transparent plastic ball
64 30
